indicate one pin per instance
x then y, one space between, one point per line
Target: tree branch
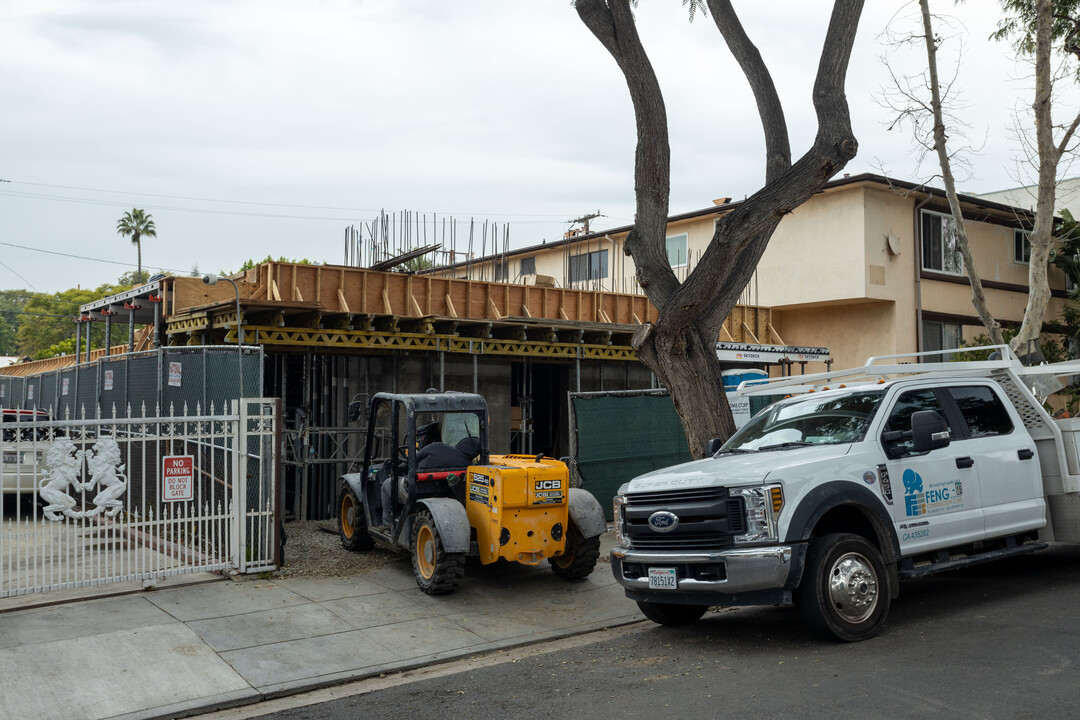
1064 144
726 267
770 110
613 25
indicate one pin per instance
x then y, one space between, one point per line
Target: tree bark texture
681 347
1041 237
136 240
978 297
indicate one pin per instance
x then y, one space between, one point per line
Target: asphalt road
997 641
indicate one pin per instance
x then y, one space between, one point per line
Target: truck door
1004 453
936 494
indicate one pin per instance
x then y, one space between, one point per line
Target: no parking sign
178 478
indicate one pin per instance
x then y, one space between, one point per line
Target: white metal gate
95 501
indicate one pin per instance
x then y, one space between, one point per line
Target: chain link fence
12 391
174 380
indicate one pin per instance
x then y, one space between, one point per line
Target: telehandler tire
437 571
671 614
844 593
580 556
352 524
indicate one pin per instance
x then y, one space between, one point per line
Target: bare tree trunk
978 297
1041 237
681 347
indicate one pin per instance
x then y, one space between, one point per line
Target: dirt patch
313 549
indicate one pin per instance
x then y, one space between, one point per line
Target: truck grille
709 519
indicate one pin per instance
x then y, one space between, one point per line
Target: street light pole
212 280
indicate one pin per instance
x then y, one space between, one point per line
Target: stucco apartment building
868 266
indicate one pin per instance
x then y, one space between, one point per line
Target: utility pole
584 220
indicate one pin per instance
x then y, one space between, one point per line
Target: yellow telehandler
434 490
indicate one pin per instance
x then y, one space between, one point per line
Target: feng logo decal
935 497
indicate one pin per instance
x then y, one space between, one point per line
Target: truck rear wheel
845 593
672 614
352 525
579 558
437 571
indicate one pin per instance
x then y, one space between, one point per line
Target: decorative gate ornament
64 466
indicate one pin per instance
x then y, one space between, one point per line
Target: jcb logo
548 485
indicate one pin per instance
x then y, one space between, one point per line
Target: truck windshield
812 420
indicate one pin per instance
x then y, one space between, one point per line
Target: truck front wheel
671 613
845 592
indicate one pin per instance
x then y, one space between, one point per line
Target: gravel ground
313 548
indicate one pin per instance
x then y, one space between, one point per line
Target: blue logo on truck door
939 496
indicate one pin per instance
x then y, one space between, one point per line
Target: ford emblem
663 521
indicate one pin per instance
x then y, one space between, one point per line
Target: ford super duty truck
861 478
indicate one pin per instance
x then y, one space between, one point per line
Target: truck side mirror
929 431
712 446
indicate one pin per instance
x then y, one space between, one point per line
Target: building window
528 266
1022 246
676 250
502 271
588 266
939 244
941 336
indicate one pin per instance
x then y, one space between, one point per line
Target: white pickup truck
863 477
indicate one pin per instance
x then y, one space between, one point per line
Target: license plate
11 458
663 579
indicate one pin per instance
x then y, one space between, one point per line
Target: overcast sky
249 128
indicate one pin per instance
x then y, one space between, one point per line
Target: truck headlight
621 538
763 506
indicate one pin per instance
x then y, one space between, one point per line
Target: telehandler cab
433 489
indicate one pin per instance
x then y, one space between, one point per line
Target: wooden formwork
301 296
340 289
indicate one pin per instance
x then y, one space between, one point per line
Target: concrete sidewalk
176 651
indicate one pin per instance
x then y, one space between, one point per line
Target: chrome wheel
845 590
853 587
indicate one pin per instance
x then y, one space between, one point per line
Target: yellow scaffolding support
383 341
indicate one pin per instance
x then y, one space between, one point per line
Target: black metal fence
180 380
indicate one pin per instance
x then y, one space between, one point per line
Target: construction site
326 337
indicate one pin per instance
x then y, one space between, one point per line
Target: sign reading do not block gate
178 478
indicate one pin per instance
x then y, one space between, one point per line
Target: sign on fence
176 371
178 478
108 380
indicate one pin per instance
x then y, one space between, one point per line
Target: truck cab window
900 419
982 410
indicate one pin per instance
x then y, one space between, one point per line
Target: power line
12 271
125 203
80 257
20 312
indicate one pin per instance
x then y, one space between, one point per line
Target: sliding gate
95 501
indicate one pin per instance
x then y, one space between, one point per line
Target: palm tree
137 223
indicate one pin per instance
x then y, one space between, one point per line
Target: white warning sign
178 478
